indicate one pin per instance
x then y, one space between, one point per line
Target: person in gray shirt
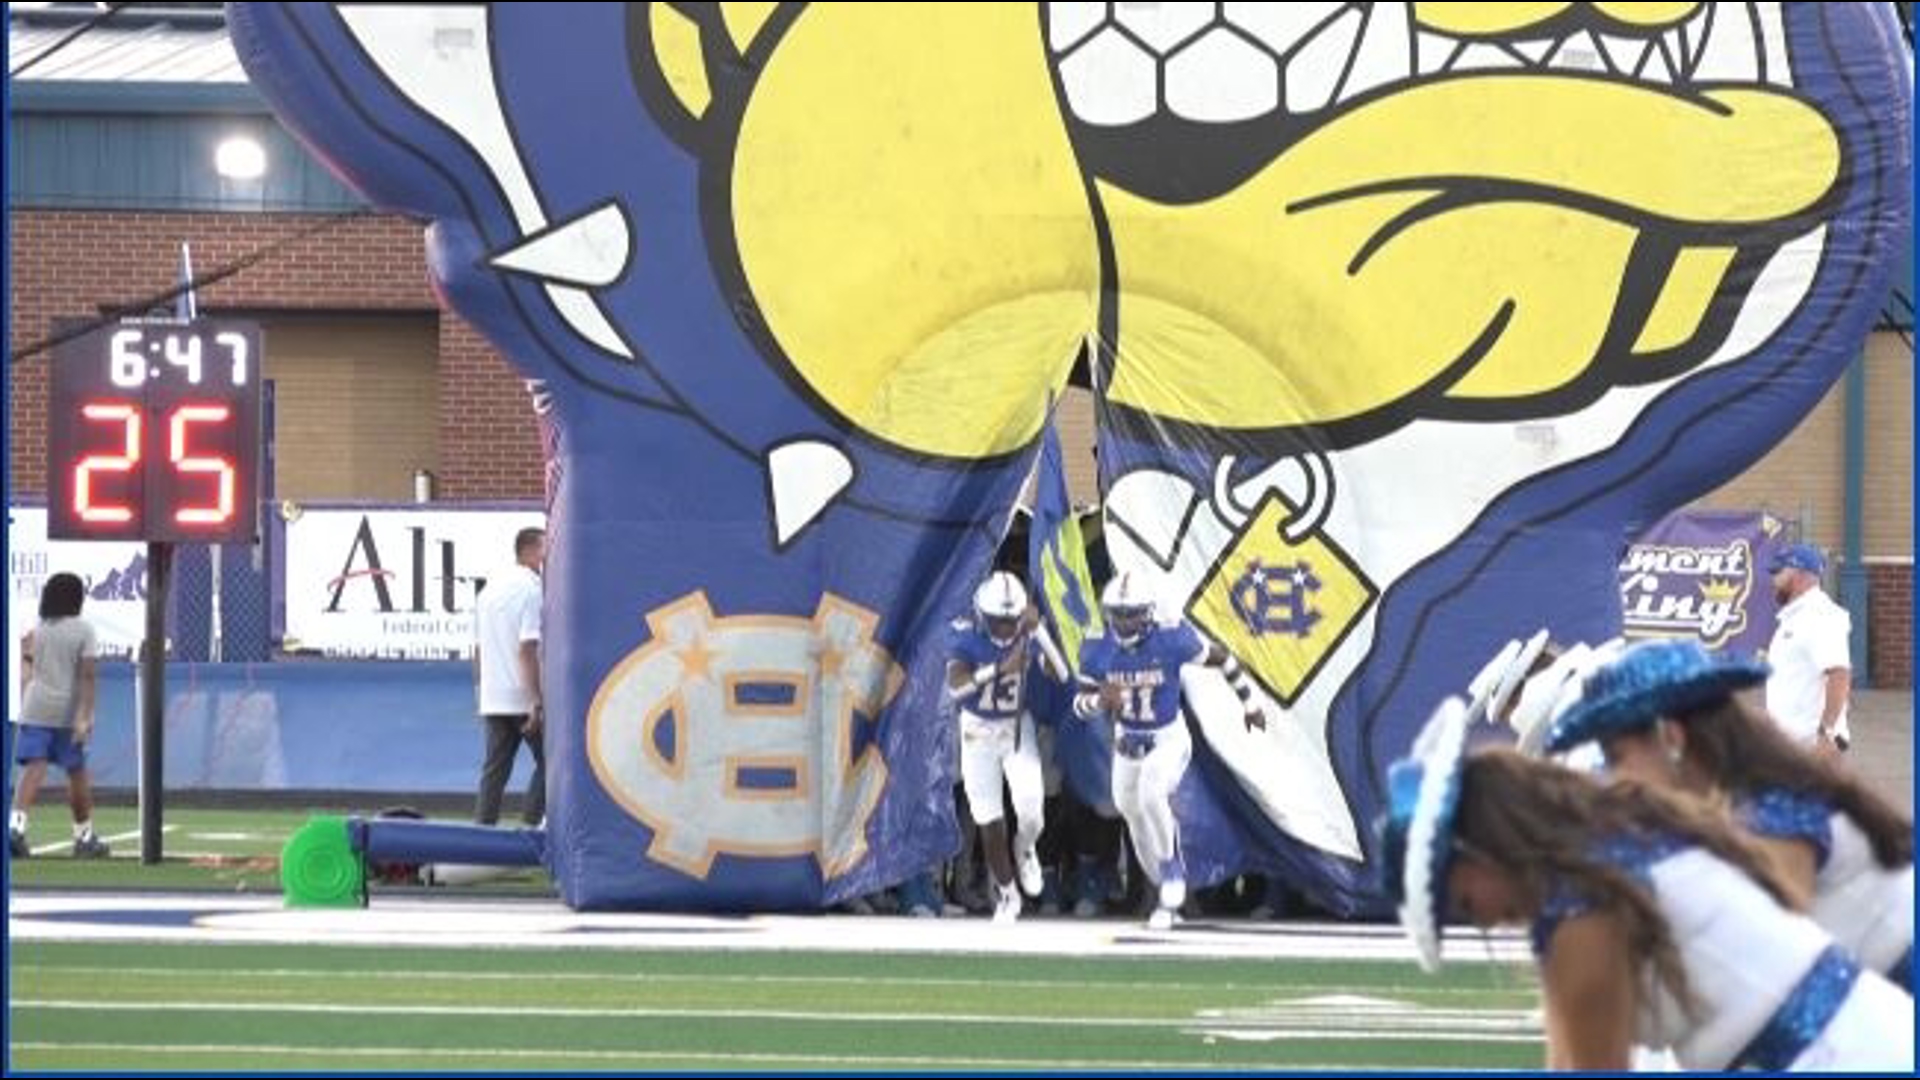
56 713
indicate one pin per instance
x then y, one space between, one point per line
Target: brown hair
1746 753
1540 823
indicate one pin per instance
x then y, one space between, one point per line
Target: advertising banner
393 584
1702 574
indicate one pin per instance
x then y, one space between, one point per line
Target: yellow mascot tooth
911 220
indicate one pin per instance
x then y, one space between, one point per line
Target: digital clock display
154 433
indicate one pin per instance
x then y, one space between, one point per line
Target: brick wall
77 262
1890 624
489 444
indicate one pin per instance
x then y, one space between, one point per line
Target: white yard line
518 978
1490 1026
67 844
593 1013
427 1053
456 922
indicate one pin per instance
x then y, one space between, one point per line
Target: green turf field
274 1008
256 1007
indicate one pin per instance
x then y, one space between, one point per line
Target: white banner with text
393 584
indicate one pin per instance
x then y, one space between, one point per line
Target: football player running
987 668
1131 673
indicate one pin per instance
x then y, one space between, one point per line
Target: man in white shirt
1812 667
506 675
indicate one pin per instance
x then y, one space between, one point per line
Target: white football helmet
1128 606
998 604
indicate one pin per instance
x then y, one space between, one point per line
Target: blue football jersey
1001 699
1149 672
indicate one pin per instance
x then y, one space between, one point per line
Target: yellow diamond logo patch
1281 607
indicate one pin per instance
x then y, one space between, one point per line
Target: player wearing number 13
1132 673
988 661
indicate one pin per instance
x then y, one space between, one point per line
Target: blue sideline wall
399 728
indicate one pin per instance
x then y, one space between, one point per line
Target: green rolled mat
319 868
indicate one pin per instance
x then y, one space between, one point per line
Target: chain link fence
232 623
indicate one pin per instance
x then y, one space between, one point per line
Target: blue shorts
32 742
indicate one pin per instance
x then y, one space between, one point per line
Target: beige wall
1804 477
1075 416
1889 480
355 402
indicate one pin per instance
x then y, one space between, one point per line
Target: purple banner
1702 574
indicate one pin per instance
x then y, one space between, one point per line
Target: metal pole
153 699
215 631
1853 583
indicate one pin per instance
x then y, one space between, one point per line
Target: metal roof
146 44
126 115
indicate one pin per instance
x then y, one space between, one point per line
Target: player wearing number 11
1132 673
